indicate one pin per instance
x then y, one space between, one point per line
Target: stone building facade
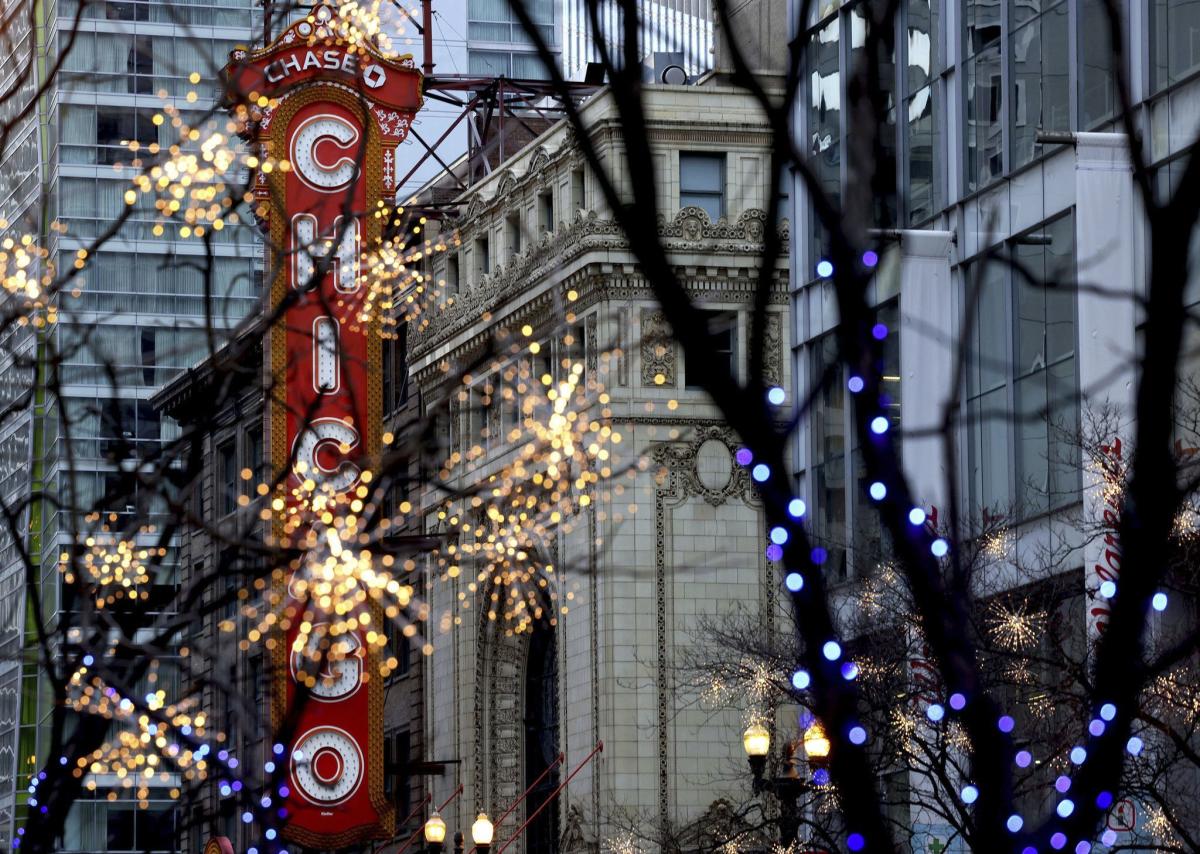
539 283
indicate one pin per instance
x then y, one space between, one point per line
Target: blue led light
774 552
1083 847
801 680
1006 723
870 258
858 735
832 650
1109 838
820 777
855 842
1078 755
824 268
969 794
779 535
1108 711
855 384
879 425
878 491
797 508
1096 727
1159 601
849 671
1104 800
958 702
939 547
879 331
247 817
1108 589
1062 784
1014 823
819 555
1058 840
1065 807
270 834
776 396
1134 745
760 472
744 456
794 581
935 712
916 516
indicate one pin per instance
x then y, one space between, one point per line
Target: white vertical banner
927 363
1107 220
1105 217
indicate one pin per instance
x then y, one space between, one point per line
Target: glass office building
1001 142
998 104
138 319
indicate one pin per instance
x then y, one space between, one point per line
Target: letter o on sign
327 765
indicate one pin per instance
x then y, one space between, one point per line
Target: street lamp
756 741
816 743
435 832
481 833
458 842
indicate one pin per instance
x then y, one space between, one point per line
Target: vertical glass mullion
844 39
900 102
1010 386
1073 65
1006 87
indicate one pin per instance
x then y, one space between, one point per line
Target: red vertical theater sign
335 111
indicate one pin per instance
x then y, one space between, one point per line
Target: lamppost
481 833
435 833
458 842
756 741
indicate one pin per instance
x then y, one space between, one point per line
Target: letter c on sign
317 173
327 435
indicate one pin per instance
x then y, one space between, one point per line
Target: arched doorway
541 737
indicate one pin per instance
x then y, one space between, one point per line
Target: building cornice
591 255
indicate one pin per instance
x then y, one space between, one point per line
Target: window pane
985 137
1063 452
923 33
1032 469
701 173
828 419
1041 100
1060 299
983 25
922 200
829 486
1175 47
1030 347
702 183
989 453
1097 88
989 356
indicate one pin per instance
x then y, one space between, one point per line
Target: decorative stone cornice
689 237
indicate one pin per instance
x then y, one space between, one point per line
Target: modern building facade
139 317
556 629
1005 141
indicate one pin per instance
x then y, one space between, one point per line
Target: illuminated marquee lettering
330 60
308 251
340 143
